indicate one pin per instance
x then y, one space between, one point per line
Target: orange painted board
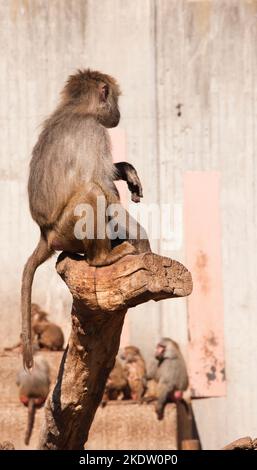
205 304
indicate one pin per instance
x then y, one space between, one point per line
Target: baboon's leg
98 251
163 394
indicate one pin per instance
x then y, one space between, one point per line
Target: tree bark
101 298
244 443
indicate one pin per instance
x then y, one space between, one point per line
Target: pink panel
118 142
205 304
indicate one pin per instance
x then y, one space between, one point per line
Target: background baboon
72 164
169 371
33 390
46 334
116 387
134 366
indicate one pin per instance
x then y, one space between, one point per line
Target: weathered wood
244 443
101 297
131 281
190 444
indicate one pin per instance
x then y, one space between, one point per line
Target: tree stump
244 443
101 298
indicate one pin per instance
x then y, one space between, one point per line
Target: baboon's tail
31 419
40 254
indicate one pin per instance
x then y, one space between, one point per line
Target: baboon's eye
104 92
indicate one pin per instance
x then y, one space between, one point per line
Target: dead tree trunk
101 298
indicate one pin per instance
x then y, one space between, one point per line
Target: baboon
116 387
44 334
170 373
33 390
48 335
151 392
72 165
136 372
37 313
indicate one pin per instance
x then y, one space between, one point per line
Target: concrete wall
164 52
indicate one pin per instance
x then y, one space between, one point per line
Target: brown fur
47 335
37 313
116 387
44 334
72 164
50 336
83 82
136 372
151 393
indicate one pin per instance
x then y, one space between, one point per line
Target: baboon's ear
104 92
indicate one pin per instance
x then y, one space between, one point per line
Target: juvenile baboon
48 335
72 165
136 372
44 334
37 313
170 373
116 387
33 390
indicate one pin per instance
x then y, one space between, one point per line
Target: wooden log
101 297
187 433
244 443
190 444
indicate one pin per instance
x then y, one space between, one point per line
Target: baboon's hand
134 185
127 172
